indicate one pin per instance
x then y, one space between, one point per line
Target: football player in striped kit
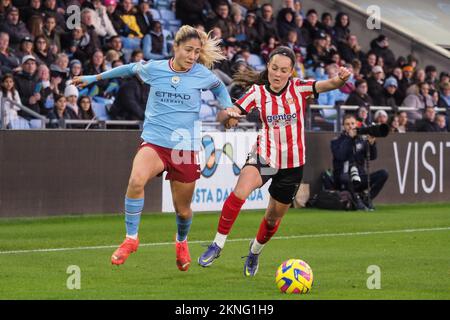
279 152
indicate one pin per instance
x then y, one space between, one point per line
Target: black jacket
344 148
425 125
131 100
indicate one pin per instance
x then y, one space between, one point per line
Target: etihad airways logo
169 97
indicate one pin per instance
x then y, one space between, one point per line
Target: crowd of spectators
41 50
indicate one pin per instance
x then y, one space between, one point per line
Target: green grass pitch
409 243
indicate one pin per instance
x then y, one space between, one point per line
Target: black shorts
285 182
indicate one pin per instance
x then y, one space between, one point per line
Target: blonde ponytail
210 52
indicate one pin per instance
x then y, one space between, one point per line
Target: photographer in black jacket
350 153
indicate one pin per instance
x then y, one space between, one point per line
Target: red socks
265 231
230 211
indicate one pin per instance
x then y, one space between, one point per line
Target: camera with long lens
354 176
377 130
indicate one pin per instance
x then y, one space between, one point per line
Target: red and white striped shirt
281 141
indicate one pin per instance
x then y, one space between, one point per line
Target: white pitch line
323 235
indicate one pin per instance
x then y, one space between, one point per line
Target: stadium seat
256 62
99 107
162 4
167 15
36 124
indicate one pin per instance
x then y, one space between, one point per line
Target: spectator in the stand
115 43
75 68
368 64
14 27
359 97
154 44
102 15
311 23
431 76
71 93
397 73
9 62
335 96
444 96
144 17
34 9
127 14
404 125
42 51
285 22
381 117
137 55
44 89
81 47
52 33
326 23
93 23
131 100
380 46
25 83
96 65
303 37
362 117
26 48
4 6
9 91
60 111
441 122
357 66
375 83
267 24
419 76
50 7
85 111
249 5
119 25
291 40
350 49
444 77
251 32
221 19
61 65
393 124
341 28
417 98
317 51
192 12
389 94
237 23
427 123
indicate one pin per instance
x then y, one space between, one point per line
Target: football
294 276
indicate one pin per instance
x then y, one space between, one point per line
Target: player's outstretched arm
126 70
333 83
230 116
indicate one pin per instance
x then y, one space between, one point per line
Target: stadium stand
396 61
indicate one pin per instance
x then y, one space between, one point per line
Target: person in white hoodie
8 90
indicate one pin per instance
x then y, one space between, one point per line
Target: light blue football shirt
173 105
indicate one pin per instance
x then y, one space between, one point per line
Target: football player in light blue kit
171 138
